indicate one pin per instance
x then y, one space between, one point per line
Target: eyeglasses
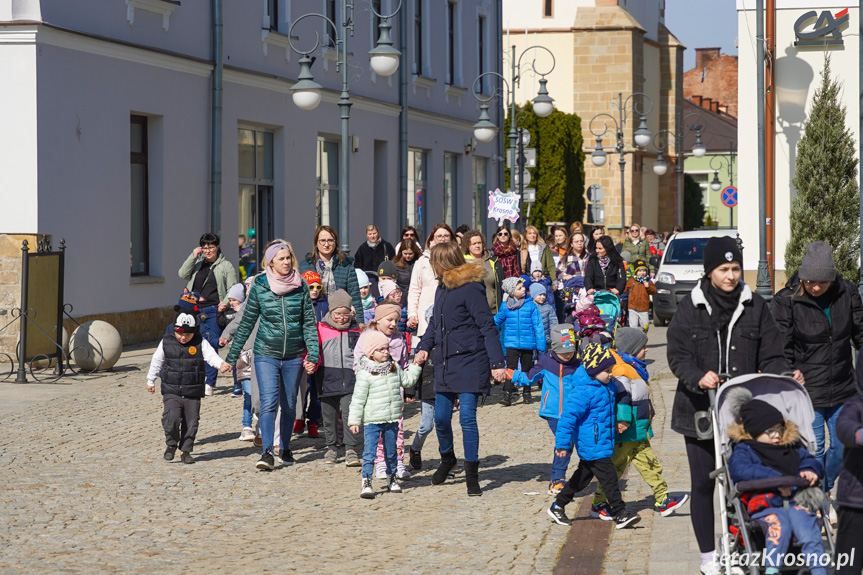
323 241
443 238
777 431
210 248
315 288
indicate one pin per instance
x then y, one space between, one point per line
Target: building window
255 208
376 21
327 191
480 193
547 8
333 15
273 14
450 189
450 43
140 213
418 37
480 57
416 193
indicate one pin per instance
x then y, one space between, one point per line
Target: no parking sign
729 197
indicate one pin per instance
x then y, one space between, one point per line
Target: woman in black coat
850 490
821 317
605 268
466 353
721 327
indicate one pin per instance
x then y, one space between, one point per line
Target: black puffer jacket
184 369
850 420
368 258
752 344
613 277
821 349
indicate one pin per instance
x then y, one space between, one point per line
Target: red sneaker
313 430
299 426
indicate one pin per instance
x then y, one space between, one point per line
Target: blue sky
701 24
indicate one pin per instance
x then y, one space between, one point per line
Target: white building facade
797 73
108 110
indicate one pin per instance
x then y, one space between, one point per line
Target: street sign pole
521 161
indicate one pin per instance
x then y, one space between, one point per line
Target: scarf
280 285
577 265
512 303
603 262
368 301
783 458
637 365
722 305
331 321
376 368
507 255
328 280
373 245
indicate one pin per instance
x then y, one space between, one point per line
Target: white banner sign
503 206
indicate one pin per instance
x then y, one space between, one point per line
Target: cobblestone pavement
85 490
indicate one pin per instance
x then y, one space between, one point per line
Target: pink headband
273 250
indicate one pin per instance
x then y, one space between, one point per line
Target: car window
685 251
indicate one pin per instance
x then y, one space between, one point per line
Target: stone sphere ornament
95 346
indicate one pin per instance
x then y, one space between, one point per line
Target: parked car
680 269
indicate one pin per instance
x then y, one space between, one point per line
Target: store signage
827 30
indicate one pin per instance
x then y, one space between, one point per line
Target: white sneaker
381 470
208 390
711 568
248 434
401 470
366 491
393 485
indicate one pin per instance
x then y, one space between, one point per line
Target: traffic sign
729 197
595 193
526 176
529 195
529 156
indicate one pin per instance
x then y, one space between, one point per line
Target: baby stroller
609 308
741 535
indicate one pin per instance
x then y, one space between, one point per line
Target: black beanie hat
720 250
757 416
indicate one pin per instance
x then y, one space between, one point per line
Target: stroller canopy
782 392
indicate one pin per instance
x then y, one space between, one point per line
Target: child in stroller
778 478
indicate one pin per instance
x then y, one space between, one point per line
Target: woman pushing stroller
720 327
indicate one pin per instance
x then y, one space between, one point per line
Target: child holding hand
377 405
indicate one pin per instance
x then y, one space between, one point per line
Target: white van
680 269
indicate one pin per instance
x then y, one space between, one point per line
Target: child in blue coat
551 369
546 310
588 421
523 333
768 446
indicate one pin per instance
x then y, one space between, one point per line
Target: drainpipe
403 119
763 280
501 118
770 134
216 124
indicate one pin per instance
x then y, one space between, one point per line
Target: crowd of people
342 343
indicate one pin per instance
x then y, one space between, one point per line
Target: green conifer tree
826 206
693 203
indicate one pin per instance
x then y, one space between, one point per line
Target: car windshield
685 251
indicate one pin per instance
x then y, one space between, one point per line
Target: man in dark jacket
849 430
821 317
373 251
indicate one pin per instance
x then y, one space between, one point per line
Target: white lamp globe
484 135
598 159
385 64
660 167
307 99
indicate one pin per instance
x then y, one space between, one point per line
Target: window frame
548 8
142 158
450 188
418 60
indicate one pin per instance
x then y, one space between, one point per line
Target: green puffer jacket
345 276
222 269
377 398
287 324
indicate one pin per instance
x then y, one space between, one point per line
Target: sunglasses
315 288
409 236
502 234
635 231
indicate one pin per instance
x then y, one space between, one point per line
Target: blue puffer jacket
549 320
587 417
556 387
523 329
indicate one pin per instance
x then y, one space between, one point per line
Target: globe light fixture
716 185
484 130
660 166
642 134
698 150
598 156
306 93
384 58
543 104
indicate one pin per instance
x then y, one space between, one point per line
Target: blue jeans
372 433
246 384
559 464
211 332
426 425
781 524
443 407
277 384
832 459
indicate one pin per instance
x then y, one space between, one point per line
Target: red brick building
712 84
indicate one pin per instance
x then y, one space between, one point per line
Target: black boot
448 462
471 475
526 396
506 400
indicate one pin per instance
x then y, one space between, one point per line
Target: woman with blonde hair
535 251
286 343
467 354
